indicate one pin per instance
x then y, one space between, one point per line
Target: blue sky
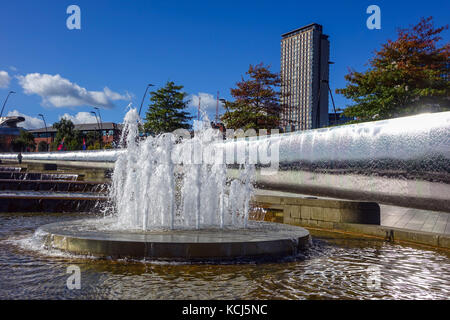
204 45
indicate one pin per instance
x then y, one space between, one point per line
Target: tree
257 101
66 132
24 142
406 76
166 111
94 146
92 139
43 146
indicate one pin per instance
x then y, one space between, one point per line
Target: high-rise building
304 78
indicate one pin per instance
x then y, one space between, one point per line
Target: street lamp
334 106
101 123
46 131
98 124
143 98
332 99
4 103
224 102
99 115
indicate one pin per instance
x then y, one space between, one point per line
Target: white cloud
60 92
5 79
80 118
29 123
12 68
208 102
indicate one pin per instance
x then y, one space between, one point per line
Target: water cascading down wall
402 161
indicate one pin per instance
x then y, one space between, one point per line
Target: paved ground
398 217
415 219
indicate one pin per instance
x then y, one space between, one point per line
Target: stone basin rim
261 240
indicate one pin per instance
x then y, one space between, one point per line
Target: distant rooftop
84 127
309 26
11 122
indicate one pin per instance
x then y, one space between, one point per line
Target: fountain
168 188
172 200
402 161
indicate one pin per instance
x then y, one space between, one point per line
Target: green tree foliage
24 142
43 146
166 111
257 101
406 76
73 140
92 139
94 146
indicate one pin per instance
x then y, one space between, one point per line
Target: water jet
169 203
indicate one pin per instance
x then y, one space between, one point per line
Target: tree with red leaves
407 76
257 101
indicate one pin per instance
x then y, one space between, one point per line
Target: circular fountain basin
261 240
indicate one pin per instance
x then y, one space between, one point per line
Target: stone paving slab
415 219
430 222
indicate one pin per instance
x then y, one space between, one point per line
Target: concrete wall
322 213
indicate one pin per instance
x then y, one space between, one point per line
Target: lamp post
98 124
101 122
4 103
332 99
224 102
100 116
334 106
143 98
46 131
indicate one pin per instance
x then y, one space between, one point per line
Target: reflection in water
344 268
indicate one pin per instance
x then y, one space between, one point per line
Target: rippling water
342 268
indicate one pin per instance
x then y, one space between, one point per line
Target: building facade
109 131
304 78
9 132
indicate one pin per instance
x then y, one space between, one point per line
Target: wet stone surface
97 237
